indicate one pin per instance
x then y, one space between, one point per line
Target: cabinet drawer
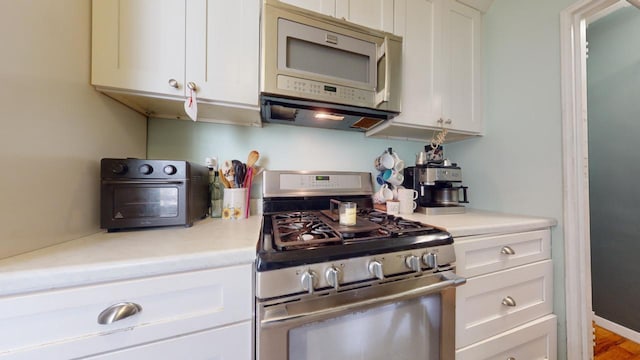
171 305
535 340
228 343
482 255
482 304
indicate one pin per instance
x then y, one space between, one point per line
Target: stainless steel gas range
383 288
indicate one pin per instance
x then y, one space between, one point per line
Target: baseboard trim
618 329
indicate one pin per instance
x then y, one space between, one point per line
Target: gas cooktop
298 228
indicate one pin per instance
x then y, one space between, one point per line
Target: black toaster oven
138 193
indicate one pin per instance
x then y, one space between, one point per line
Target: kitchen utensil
228 173
238 177
223 179
252 158
248 179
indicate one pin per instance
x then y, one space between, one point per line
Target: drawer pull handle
511 358
508 301
118 312
507 250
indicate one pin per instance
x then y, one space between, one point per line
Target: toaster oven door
132 204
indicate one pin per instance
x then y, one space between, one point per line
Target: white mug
396 178
406 197
395 191
393 207
381 196
384 162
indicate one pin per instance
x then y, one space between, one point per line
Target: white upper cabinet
326 7
441 81
375 14
139 44
223 49
146 52
460 56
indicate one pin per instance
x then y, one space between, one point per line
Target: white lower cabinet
504 311
207 312
535 340
227 343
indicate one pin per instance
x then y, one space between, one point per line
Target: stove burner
305 229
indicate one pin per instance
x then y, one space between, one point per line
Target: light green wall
281 147
517 166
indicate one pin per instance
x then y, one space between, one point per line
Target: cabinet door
459 54
416 22
376 14
327 7
227 343
490 304
138 45
222 50
535 340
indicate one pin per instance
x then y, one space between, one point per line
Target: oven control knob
333 277
375 268
119 169
309 280
170 170
431 260
145 169
413 263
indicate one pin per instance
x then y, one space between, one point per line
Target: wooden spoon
252 158
223 179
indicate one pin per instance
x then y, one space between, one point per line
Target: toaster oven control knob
170 170
145 169
119 169
309 280
375 268
431 260
413 263
333 277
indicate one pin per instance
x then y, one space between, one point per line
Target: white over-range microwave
325 72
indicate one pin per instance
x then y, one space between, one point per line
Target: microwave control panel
324 91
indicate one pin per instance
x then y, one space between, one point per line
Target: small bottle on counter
215 190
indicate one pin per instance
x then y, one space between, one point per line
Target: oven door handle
342 303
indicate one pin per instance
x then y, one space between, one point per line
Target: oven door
144 203
406 319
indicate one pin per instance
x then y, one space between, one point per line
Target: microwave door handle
382 95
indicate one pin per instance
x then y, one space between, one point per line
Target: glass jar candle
348 213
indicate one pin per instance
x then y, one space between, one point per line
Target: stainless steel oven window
285 328
405 330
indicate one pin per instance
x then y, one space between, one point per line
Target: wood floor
610 346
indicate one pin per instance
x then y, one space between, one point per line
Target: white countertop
479 222
104 256
209 243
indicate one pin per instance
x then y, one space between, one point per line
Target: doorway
579 314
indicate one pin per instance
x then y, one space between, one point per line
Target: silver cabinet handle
117 312
174 83
511 358
192 86
507 250
448 122
508 301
